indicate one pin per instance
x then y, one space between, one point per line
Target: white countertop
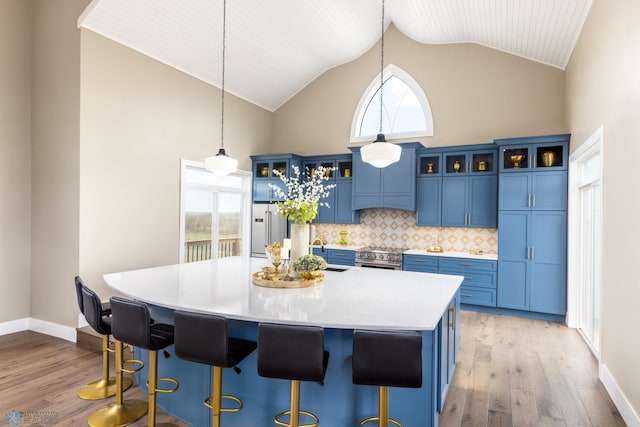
356 298
487 257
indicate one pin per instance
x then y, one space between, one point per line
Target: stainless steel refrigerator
267 227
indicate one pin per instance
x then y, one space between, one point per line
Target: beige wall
55 159
15 158
603 89
476 94
138 119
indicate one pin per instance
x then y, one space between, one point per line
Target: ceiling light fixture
380 153
221 164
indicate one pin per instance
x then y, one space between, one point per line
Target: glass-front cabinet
475 162
536 153
263 174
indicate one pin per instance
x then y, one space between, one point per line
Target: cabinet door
513 264
515 191
326 214
548 289
366 184
343 212
454 201
549 191
483 203
429 202
399 182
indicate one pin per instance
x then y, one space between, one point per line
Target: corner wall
15 158
603 89
138 119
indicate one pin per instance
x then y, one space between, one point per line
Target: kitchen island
356 298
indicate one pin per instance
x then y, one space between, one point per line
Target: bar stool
294 353
122 412
204 338
132 323
386 359
99 320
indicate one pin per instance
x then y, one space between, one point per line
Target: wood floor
510 372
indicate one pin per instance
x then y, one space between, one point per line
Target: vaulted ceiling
275 48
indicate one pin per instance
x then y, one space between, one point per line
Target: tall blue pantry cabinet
532 224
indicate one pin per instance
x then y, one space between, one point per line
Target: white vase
299 241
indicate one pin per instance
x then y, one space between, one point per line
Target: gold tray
434 249
257 279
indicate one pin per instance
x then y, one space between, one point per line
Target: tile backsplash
397 228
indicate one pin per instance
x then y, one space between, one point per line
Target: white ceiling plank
275 48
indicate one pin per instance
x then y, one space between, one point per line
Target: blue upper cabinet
340 209
263 167
533 173
390 187
470 188
429 189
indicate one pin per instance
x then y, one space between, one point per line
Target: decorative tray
258 279
434 249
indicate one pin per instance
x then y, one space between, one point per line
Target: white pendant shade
221 164
380 154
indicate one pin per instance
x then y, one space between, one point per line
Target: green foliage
309 263
300 212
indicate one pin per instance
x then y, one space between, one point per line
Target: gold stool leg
295 411
383 410
122 412
104 387
152 386
215 401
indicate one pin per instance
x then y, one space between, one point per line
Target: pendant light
221 164
380 153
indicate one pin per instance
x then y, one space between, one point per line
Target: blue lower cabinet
480 279
532 267
337 256
421 263
449 342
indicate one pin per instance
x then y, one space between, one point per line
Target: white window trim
595 143
392 70
246 211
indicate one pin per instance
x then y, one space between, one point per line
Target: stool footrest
392 421
278 420
208 404
140 364
166 390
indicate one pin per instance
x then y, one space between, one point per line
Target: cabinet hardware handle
469 223
452 324
533 252
528 252
533 204
468 278
528 200
465 264
466 295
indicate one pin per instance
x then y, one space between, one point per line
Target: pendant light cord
381 63
224 44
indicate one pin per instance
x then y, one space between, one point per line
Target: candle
286 244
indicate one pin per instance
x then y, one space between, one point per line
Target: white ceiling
275 48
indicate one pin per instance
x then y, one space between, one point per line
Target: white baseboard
41 326
82 321
619 399
14 326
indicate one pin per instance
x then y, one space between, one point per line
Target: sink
338 269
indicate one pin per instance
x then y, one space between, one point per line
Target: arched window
405 109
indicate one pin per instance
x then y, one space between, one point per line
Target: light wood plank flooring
510 372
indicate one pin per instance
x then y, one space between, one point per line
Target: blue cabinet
448 349
390 187
421 263
532 232
480 279
337 256
429 189
339 200
532 268
469 201
263 167
470 188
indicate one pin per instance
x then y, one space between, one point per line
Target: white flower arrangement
303 197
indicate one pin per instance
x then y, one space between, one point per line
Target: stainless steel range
379 257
